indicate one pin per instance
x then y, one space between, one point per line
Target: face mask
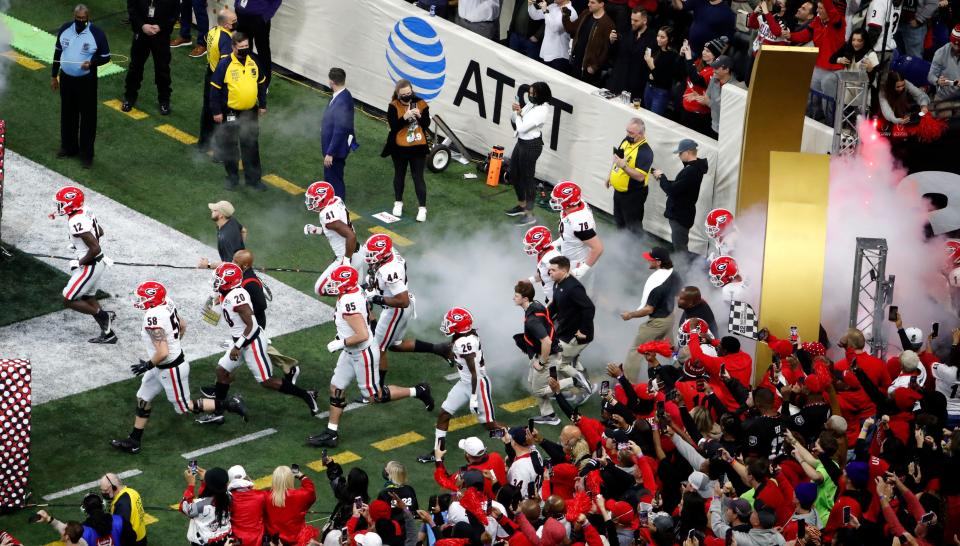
243 52
630 139
79 25
406 98
385 475
534 99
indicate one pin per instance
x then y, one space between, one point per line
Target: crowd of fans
662 53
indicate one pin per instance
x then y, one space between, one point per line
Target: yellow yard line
464 421
176 134
397 238
283 184
519 405
116 104
149 520
340 458
397 441
25 62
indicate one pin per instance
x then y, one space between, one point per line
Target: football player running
166 370
359 358
85 271
249 344
387 287
335 225
579 241
538 241
472 388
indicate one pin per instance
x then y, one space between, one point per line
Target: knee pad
338 400
143 408
384 394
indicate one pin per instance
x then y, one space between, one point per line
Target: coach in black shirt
253 285
694 306
152 23
231 235
572 312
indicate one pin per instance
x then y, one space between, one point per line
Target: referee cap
223 207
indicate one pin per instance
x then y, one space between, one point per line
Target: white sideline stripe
89 485
229 443
350 407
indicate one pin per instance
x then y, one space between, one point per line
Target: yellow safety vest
213 46
136 511
619 178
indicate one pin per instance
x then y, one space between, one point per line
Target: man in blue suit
336 132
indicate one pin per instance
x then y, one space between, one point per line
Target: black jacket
571 310
683 192
630 72
165 14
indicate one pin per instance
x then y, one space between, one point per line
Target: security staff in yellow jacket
629 176
219 46
238 96
126 503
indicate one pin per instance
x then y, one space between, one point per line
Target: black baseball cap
658 254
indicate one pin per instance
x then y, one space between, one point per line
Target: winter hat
701 482
694 368
717 46
815 383
806 494
955 35
379 510
552 533
858 473
563 480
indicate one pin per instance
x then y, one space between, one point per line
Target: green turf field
38 290
151 172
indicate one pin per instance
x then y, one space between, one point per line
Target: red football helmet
536 240
690 326
342 280
953 251
227 277
150 294
378 249
717 221
457 321
318 195
69 200
723 270
566 194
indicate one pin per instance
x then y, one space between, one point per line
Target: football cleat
211 419
109 339
423 394
314 407
327 438
551 420
208 391
294 374
427 458
235 404
128 445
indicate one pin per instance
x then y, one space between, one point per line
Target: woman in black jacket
664 64
409 119
346 490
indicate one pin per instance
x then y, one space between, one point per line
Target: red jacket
829 36
690 105
493 462
248 513
875 369
739 364
290 519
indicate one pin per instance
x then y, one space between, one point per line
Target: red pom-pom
579 504
660 347
929 128
594 482
472 501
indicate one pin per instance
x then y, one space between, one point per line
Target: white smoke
5 37
865 201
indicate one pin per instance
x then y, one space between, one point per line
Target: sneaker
327 438
361 400
515 211
294 374
422 214
128 445
165 109
551 420
127 105
109 339
208 391
583 383
198 51
314 407
235 404
211 419
423 394
180 41
398 208
525 220
427 458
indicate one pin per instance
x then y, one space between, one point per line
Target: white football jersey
523 474
543 268
336 210
735 291
235 299
165 319
78 224
878 18
948 384
352 303
571 223
464 346
391 276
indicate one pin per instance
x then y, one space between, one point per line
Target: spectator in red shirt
853 343
738 363
287 506
827 32
247 508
